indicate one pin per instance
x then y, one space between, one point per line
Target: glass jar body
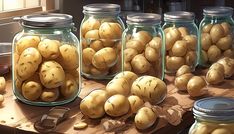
143 49
101 36
181 45
45 66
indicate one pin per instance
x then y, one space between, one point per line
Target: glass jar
46 60
143 45
181 35
216 35
214 115
100 34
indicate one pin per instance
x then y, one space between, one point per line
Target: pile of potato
142 54
101 47
2 89
181 48
216 42
45 69
126 94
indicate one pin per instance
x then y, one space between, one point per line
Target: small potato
174 63
85 68
92 35
1 99
151 54
99 95
49 95
156 43
216 32
142 36
221 131
96 45
218 67
109 30
203 129
140 64
170 40
84 44
49 49
127 66
166 30
214 76
229 53
183 70
204 56
207 28
175 33
18 84
226 27
179 48
128 75
206 41
182 81
191 41
98 72
135 44
183 31
213 53
228 65
145 118
129 54
135 103
118 86
117 105
90 24
87 56
224 43
191 58
108 42
2 84
26 42
69 87
195 85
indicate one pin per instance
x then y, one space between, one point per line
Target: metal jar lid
215 108
102 8
218 11
53 20
179 16
143 18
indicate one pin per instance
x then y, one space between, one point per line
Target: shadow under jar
46 60
100 34
181 37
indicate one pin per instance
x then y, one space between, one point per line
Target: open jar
100 35
46 60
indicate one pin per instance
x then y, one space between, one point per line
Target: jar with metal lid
143 45
100 35
216 35
46 60
181 35
213 115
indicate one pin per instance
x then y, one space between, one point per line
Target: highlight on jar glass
100 33
143 45
46 60
213 115
216 35
181 37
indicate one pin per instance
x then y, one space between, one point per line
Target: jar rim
179 15
104 8
143 18
218 11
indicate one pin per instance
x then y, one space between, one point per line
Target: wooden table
17 117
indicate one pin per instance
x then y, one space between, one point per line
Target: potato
214 76
32 88
142 36
151 54
204 56
213 53
166 30
135 103
98 72
224 43
156 43
49 49
183 70
207 28
140 64
182 81
175 33
92 35
228 65
26 42
93 104
84 43
108 42
96 45
203 129
216 32
2 84
104 58
18 84
109 30
128 75
127 66
118 86
1 99
226 27
117 105
174 63
50 95
87 56
51 74
229 53
191 41
170 40
145 118
217 66
179 48
221 131
85 68
183 31
89 24
129 54
206 41
191 58
69 87
195 85
135 44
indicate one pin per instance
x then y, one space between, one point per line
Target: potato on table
2 84
118 86
135 103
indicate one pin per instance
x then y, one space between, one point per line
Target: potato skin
49 49
216 32
207 28
156 43
226 27
183 70
128 75
140 64
206 41
69 87
191 40
228 65
224 43
195 85
87 56
50 95
221 131
135 103
2 84
214 76
174 63
179 48
89 24
213 53
142 36
110 30
135 44
129 54
151 54
92 34
182 81
26 42
118 86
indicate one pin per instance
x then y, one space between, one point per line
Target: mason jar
181 35
46 60
143 45
216 35
100 35
214 115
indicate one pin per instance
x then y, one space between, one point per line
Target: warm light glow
6 5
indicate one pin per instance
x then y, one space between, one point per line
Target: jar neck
143 25
180 22
101 15
200 119
217 17
47 30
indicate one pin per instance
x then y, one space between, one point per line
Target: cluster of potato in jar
216 42
45 69
142 54
181 48
101 47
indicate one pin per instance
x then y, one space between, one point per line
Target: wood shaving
113 125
